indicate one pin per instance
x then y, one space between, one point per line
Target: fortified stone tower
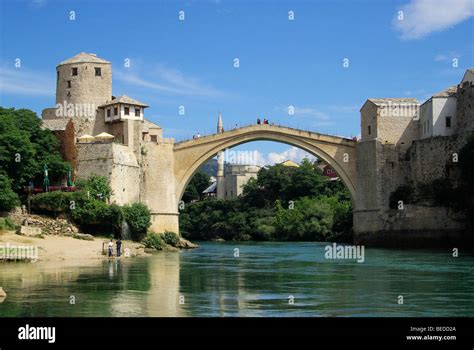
84 82
220 191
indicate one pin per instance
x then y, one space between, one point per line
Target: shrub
138 217
154 241
52 202
7 225
8 198
171 238
97 186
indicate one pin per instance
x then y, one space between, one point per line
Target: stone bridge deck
337 151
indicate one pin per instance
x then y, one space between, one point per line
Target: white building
468 76
438 114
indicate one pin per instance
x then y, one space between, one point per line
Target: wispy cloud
442 57
169 81
344 109
423 17
24 81
38 3
314 116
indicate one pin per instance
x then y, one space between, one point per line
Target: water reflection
210 281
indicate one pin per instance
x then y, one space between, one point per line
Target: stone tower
220 191
84 82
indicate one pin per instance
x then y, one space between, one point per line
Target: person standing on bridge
258 121
265 121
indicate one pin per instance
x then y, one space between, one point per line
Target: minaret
220 190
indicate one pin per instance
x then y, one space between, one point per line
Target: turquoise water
263 280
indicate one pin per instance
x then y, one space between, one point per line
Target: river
263 279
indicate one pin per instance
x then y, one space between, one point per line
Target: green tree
198 183
138 217
25 148
8 198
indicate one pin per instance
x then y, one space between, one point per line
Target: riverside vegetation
281 204
24 150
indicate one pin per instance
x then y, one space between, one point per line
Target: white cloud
422 17
24 81
295 154
168 80
310 112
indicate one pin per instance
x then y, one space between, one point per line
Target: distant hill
210 167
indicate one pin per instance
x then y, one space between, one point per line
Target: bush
52 202
171 238
97 186
138 217
6 224
8 198
154 241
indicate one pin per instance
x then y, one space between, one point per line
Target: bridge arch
336 151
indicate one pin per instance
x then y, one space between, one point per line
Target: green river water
266 279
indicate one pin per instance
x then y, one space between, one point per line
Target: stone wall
432 159
158 190
117 163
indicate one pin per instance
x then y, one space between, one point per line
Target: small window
153 138
68 83
369 129
127 110
74 71
115 110
448 122
98 71
137 112
57 75
108 113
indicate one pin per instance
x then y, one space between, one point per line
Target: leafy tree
25 148
8 198
198 183
138 217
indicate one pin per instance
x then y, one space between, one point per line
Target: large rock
185 244
29 231
83 236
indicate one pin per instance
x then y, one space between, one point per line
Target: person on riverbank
119 247
111 249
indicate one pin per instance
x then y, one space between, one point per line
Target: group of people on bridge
265 121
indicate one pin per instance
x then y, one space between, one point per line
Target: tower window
98 71
448 122
126 110
115 110
57 75
68 83
369 129
137 112
108 113
74 71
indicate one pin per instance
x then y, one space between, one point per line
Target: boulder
29 231
84 236
185 244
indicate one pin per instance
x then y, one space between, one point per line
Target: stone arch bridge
181 160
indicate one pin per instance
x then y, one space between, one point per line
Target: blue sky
283 63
